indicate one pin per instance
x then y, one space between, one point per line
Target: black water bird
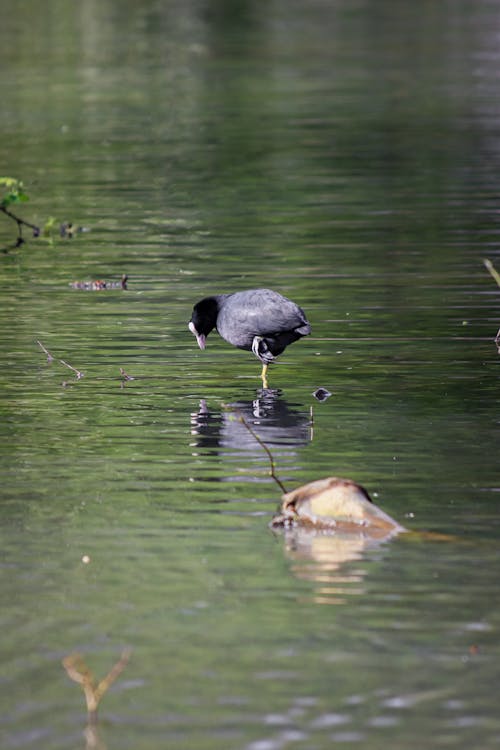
257 320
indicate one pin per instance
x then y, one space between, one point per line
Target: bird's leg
259 348
263 375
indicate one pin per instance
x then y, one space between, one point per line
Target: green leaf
49 226
8 199
15 193
9 182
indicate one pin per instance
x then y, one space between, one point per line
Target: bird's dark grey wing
277 314
259 312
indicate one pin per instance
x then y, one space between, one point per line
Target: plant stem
20 223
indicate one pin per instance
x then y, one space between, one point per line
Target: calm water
346 154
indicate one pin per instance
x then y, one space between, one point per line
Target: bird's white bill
200 338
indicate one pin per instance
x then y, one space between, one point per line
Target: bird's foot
256 344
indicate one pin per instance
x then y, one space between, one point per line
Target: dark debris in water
68 229
321 394
125 375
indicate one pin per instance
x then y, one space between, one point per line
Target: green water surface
347 155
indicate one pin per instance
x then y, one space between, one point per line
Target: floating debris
68 229
125 376
321 394
99 284
335 504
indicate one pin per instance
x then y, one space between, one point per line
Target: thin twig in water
259 440
491 268
50 358
77 372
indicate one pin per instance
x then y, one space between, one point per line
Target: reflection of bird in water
257 320
278 425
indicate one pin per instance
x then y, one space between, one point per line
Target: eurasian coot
258 320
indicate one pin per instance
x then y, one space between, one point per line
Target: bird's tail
304 330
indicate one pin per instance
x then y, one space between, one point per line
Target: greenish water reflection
346 155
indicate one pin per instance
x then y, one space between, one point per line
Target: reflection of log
323 558
335 504
93 739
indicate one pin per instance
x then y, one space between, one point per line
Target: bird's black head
204 319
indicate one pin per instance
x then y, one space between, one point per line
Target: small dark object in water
321 394
257 320
68 229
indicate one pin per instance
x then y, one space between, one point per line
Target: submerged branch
78 671
50 358
259 440
491 268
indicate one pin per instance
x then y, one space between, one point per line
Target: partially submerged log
337 505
